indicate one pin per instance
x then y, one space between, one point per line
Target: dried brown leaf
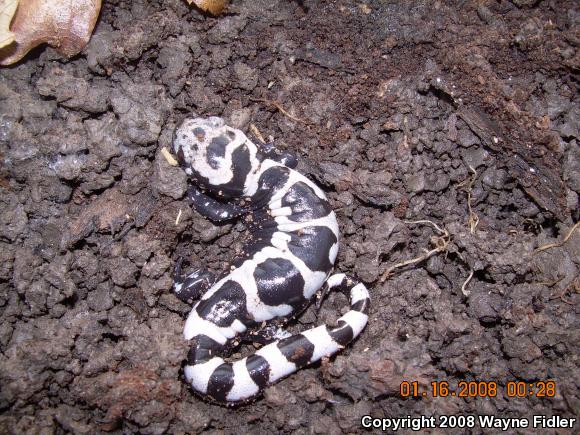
214 7
7 9
65 25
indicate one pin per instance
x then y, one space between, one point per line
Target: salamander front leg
190 287
286 158
211 208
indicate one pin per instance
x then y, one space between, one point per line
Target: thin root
279 106
440 242
427 221
464 286
558 244
473 219
574 287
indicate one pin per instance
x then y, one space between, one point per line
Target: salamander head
217 157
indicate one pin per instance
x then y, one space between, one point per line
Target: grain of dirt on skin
398 106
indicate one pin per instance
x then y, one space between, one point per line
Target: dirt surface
402 111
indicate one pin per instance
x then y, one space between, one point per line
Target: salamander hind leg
268 334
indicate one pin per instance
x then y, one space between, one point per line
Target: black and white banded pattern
289 259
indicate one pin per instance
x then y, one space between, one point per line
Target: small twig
279 106
127 226
558 244
550 283
170 159
441 243
178 218
464 286
257 133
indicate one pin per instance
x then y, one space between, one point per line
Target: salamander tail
241 380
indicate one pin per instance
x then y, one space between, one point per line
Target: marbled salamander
294 243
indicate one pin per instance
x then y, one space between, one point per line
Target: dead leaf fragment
65 25
7 9
214 7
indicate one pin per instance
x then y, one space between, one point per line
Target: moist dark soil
444 131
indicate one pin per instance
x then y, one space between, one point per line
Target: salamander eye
199 134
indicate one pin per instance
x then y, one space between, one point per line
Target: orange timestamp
467 389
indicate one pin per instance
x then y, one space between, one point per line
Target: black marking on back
227 304
241 165
361 306
312 245
270 181
279 282
343 334
297 349
259 370
217 150
305 204
221 382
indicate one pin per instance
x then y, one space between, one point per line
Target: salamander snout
196 141
217 156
